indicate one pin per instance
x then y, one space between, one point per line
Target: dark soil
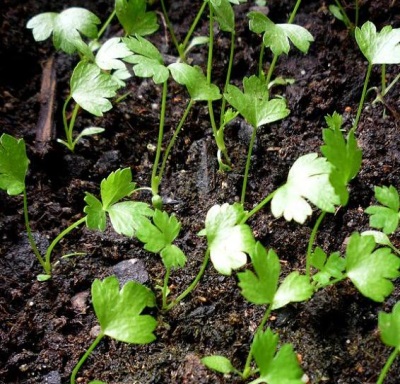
46 327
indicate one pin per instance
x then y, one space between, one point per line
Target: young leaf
126 216
379 47
109 55
276 367
218 363
331 267
147 60
387 217
134 19
260 287
379 237
13 164
277 36
343 154
389 326
224 15
195 82
66 28
371 270
308 179
90 88
294 288
228 241
158 238
254 104
119 312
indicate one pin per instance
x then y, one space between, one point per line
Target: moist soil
46 326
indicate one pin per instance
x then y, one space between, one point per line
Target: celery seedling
120 314
379 48
13 169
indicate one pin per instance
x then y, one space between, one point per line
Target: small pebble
132 269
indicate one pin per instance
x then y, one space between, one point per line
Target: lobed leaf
369 270
91 88
119 311
389 326
95 215
13 164
308 179
224 15
218 363
110 54
329 268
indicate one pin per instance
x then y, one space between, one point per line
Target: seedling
338 10
379 48
119 313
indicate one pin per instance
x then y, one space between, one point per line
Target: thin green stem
171 31
85 356
165 287
346 19
383 79
45 266
387 366
193 285
193 26
210 44
64 115
364 92
259 206
173 139
248 162
71 127
106 24
228 78
357 13
155 182
260 61
311 242
294 12
60 237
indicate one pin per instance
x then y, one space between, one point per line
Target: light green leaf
294 288
379 237
218 363
224 15
389 326
379 47
173 256
90 131
195 82
343 154
96 216
133 17
126 217
90 88
147 59
335 10
13 164
331 267
119 312
276 367
369 270
387 217
110 54
228 241
277 36
260 287
66 28
308 179
254 104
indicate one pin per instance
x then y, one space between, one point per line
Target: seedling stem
311 242
364 92
387 366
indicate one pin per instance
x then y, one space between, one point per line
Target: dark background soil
45 327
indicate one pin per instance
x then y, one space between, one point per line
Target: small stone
52 377
131 270
95 331
79 302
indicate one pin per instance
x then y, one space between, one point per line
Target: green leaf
66 28
119 312
369 270
335 10
331 267
126 217
228 241
379 237
117 185
277 36
195 82
260 287
110 54
389 326
218 363
13 164
158 238
294 288
96 216
224 15
147 59
308 179
387 217
254 104
343 154
90 88
276 367
134 19
379 47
